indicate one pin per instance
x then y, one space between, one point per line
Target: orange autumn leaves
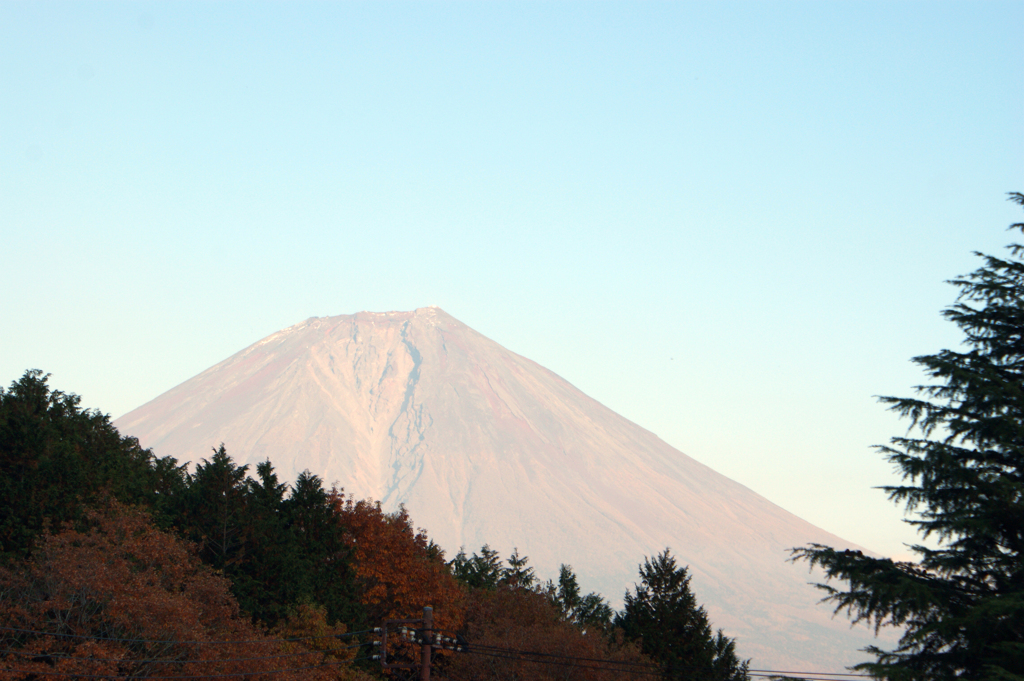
401 571
120 598
398 569
91 592
518 635
124 599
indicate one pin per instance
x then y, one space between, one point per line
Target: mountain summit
484 446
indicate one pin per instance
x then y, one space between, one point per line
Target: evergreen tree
56 457
586 612
519 574
216 511
961 606
272 576
279 549
481 571
663 615
324 551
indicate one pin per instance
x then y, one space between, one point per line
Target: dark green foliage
519 574
481 571
962 605
486 571
55 457
270 575
662 614
586 612
322 550
278 549
215 510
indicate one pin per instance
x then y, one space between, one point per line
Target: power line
147 640
522 655
64 656
566 661
203 676
818 676
473 646
512 654
804 674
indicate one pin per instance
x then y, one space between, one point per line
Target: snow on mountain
484 446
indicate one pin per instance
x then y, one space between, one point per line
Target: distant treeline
115 563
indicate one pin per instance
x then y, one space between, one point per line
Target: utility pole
428 640
427 643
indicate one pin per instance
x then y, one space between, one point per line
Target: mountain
485 446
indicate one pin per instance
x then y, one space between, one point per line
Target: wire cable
805 674
203 676
473 646
647 665
823 676
567 662
64 656
517 654
147 640
511 654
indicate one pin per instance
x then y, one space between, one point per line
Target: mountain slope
483 445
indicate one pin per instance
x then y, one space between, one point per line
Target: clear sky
729 222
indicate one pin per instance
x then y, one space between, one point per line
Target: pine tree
272 575
961 605
323 550
662 614
217 512
586 612
519 574
280 550
481 571
56 458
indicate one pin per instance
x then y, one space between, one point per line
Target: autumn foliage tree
518 628
399 570
306 629
520 634
125 599
215 573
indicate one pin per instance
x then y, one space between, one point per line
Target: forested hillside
115 563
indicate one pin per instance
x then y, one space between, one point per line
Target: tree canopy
663 615
56 458
961 605
585 611
114 562
516 619
121 598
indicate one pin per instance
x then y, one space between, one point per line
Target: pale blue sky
730 222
